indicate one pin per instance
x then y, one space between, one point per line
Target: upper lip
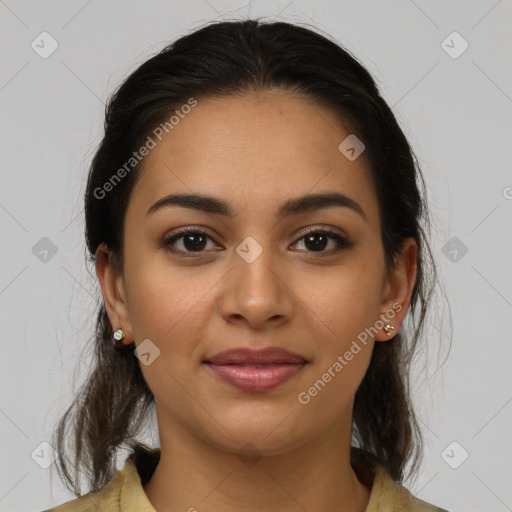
267 355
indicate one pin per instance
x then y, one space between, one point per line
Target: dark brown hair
228 58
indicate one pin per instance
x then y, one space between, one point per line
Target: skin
255 152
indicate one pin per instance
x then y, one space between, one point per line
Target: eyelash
341 242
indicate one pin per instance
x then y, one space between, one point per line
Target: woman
256 219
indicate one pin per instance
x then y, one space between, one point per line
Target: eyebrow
291 207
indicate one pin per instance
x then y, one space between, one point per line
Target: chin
247 445
260 429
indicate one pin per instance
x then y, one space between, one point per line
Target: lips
266 356
256 370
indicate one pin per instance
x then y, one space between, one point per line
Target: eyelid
341 240
305 231
324 228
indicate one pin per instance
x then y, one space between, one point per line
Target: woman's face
254 278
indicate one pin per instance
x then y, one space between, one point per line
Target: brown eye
191 241
194 241
318 240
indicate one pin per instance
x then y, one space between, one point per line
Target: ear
397 290
114 296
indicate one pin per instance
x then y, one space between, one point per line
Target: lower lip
256 378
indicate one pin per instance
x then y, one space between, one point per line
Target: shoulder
124 492
386 495
390 496
106 500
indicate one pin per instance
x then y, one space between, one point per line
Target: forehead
269 145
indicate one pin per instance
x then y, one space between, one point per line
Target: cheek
339 314
158 295
342 309
163 305
171 310
347 301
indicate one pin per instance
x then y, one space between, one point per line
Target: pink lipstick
256 370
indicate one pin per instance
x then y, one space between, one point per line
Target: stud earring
387 328
119 338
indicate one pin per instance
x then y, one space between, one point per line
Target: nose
257 290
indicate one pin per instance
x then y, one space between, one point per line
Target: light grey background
456 113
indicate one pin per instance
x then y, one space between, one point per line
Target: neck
317 475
